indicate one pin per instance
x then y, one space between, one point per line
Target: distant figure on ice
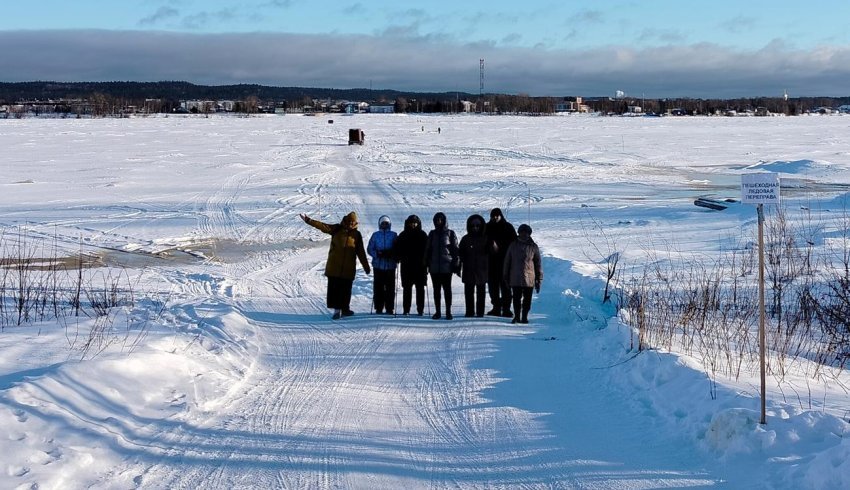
380 248
441 258
474 252
523 271
410 252
502 233
346 247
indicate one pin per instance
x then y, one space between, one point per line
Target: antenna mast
481 83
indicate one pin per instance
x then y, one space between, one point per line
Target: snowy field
236 377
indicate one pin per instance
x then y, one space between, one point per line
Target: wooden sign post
761 189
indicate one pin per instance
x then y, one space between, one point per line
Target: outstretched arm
323 227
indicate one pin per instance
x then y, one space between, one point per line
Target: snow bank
71 421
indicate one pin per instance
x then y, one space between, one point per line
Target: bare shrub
609 254
106 290
37 284
708 307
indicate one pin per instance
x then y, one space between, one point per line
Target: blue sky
653 47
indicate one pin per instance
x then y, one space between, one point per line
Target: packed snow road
375 401
244 381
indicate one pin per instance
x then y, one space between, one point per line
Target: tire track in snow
219 217
365 402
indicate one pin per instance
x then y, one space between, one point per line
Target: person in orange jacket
345 248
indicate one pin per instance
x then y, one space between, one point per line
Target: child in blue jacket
380 248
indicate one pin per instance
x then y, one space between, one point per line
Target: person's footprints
17 471
46 457
17 436
178 400
20 415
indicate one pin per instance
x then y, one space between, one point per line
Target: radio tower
481 83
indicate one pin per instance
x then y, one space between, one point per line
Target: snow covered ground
238 378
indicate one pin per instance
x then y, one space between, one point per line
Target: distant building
467 106
571 104
354 107
382 108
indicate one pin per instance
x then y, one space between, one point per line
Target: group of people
490 255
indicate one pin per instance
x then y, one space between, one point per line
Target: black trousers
522 299
474 296
500 293
442 282
339 293
408 280
383 294
407 297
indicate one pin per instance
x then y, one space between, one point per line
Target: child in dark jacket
410 252
502 234
474 252
442 260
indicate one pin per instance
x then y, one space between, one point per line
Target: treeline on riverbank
104 98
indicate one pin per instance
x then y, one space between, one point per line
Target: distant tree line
170 93
11 92
103 98
690 106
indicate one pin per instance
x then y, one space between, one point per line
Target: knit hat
524 228
496 212
349 219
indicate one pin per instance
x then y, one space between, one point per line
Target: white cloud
421 64
162 13
738 24
588 17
